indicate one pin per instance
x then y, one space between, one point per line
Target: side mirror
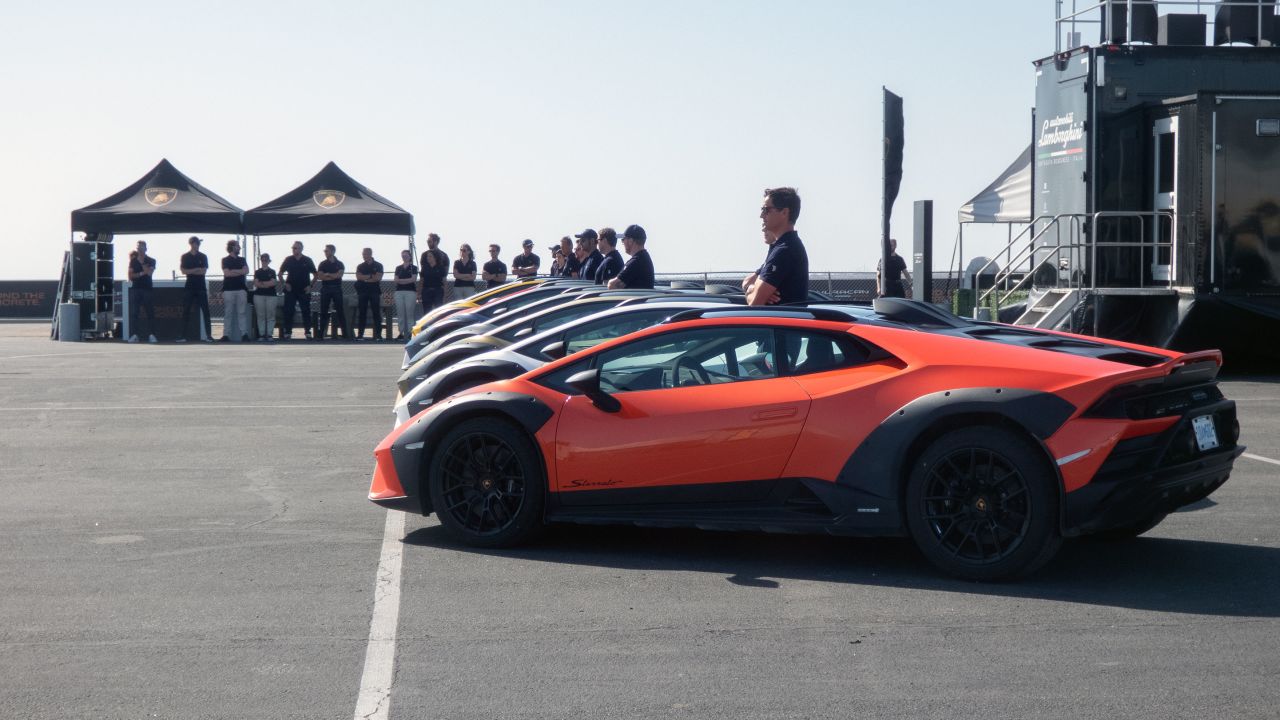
524 332
588 383
555 350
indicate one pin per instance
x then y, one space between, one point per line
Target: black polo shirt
331 266
464 267
571 266
433 277
297 272
495 267
265 274
527 261
610 266
373 267
135 266
190 261
638 272
405 275
786 267
589 266
237 282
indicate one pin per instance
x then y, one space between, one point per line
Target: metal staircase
1050 261
1050 309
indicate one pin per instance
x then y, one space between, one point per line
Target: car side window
808 352
591 334
705 356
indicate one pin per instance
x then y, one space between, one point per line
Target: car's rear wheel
982 504
486 483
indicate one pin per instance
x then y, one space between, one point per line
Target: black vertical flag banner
893 142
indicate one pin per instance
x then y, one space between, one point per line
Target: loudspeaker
1240 24
1144 23
1185 29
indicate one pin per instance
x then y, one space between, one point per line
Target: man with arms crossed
194 265
784 276
495 271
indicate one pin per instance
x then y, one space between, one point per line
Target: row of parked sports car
547 401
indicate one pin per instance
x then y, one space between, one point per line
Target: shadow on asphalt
1149 573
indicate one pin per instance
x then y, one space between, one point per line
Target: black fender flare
411 449
496 369
873 474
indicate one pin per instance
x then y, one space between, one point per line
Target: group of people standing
783 277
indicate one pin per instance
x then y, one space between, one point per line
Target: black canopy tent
162 201
330 202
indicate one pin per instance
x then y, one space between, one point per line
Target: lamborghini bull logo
159 196
328 199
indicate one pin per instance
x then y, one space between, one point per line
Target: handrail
1079 16
1074 246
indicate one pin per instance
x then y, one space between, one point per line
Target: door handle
774 413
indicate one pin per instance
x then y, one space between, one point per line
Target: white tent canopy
1007 199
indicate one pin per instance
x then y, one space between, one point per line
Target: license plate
1206 435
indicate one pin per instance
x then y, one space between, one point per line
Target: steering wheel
690 364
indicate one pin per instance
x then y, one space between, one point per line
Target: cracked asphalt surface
186 535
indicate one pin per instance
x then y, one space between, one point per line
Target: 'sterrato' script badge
328 199
159 196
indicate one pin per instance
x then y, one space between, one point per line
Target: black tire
487 484
982 504
1129 532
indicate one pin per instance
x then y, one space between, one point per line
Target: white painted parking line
188 406
1259 458
374 701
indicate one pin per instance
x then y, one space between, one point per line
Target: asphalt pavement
186 535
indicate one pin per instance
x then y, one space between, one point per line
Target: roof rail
916 312
831 314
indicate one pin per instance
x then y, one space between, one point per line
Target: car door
704 417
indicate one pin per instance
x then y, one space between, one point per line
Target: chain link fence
856 287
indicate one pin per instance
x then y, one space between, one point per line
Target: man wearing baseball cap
194 264
527 263
590 256
638 272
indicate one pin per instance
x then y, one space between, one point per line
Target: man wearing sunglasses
784 276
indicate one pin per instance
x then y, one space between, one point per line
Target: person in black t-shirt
495 271
890 284
141 268
264 298
369 293
784 275
235 295
526 264
638 272
464 273
296 272
434 268
406 294
330 276
194 264
611 261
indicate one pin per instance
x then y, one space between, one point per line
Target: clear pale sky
496 121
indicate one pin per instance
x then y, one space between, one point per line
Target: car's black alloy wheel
486 484
981 504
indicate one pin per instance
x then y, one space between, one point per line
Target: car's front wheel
982 504
486 483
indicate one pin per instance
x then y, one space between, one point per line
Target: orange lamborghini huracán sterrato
985 443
